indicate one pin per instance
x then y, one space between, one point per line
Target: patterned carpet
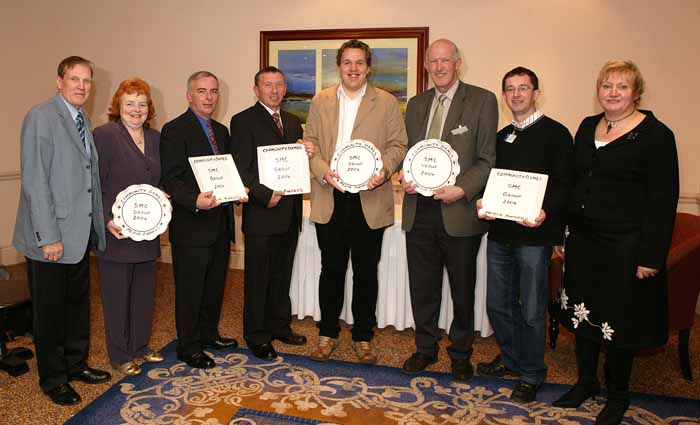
295 390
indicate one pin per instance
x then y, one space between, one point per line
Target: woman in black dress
129 153
621 220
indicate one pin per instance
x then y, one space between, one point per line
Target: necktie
212 139
278 122
436 123
80 123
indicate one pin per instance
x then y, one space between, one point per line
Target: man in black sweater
518 253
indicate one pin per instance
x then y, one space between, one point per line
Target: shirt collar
449 94
341 92
72 109
527 122
270 110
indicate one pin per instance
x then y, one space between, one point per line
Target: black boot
587 385
618 369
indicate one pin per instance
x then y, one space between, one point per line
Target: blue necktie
80 123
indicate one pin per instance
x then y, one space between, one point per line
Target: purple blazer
122 164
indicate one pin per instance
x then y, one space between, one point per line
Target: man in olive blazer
444 230
58 219
350 223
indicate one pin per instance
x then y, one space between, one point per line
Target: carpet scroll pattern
295 390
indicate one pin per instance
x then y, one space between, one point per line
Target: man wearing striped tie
59 219
201 228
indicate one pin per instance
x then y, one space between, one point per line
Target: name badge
511 138
459 130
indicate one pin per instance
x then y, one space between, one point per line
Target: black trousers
428 249
60 297
347 234
200 278
267 309
128 290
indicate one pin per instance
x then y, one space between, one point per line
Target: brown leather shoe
326 346
365 352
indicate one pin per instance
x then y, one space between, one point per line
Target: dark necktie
80 123
212 139
278 122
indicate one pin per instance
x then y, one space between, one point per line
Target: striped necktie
278 122
212 139
80 123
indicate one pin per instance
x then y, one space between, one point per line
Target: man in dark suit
201 229
58 219
271 219
444 230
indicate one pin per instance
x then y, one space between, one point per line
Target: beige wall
163 41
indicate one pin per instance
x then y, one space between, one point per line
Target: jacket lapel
333 110
201 143
366 106
70 126
424 111
266 118
456 109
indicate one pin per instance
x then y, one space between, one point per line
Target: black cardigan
629 185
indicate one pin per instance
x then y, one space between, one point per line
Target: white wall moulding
9 175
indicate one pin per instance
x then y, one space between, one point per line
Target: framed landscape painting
308 60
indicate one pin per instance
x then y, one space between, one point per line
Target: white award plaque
284 167
430 165
218 173
356 163
142 211
514 195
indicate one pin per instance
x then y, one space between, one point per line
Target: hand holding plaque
284 168
514 195
142 212
218 174
356 163
430 165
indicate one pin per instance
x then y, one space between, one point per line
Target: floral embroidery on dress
581 315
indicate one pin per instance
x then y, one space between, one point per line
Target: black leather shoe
576 395
524 392
264 351
462 370
90 376
612 413
292 339
198 360
418 362
496 369
63 395
220 343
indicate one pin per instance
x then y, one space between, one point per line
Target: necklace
613 123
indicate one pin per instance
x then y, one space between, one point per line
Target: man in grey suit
59 218
444 230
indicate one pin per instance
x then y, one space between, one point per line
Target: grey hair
197 75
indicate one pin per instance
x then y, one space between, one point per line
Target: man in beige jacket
352 223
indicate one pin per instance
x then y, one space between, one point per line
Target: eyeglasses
520 89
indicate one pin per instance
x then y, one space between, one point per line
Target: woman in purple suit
128 152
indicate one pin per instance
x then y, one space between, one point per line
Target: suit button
89 214
89 190
87 167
